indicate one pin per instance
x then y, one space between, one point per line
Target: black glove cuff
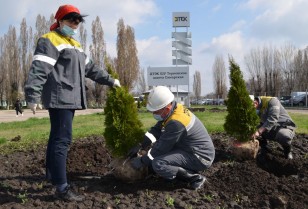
146 142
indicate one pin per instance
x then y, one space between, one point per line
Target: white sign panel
168 76
180 19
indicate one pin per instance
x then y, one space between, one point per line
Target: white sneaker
22 114
16 116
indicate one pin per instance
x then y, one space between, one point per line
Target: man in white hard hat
180 144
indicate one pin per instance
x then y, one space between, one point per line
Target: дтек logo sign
180 19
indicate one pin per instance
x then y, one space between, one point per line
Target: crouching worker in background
275 124
180 144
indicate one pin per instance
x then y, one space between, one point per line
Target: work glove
134 151
116 83
137 163
33 107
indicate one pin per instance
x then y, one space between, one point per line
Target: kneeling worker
275 124
180 144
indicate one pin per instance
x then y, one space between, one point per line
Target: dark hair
74 16
258 99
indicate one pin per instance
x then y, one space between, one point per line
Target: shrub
241 120
123 129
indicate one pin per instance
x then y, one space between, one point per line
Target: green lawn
34 132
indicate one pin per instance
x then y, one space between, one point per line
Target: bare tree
42 26
304 73
3 75
98 52
219 73
127 60
267 69
298 66
277 78
83 37
141 85
197 84
254 65
270 68
26 52
287 65
11 65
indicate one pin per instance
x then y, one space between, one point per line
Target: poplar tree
25 50
13 65
98 53
241 120
219 72
127 63
197 84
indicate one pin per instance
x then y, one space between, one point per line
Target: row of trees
16 53
274 71
219 78
271 71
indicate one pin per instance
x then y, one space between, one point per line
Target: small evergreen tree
242 119
123 129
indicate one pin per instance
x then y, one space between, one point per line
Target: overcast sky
218 27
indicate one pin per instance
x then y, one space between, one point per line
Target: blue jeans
60 138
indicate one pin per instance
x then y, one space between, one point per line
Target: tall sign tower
178 74
182 40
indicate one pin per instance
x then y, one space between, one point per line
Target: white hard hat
251 97
159 98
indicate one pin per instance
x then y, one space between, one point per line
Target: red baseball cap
62 11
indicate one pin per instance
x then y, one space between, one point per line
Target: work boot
195 180
288 152
68 195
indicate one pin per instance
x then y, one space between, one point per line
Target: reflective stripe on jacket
272 113
182 130
58 71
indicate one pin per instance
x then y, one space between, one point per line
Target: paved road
303 111
10 115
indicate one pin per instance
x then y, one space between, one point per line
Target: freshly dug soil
268 182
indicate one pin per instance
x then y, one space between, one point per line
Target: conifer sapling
241 120
123 129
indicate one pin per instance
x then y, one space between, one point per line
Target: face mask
68 31
159 117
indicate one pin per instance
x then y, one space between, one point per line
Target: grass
35 132
301 121
213 121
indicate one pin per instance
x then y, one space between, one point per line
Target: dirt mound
268 182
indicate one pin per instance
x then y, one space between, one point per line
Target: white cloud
154 52
229 44
133 12
279 21
238 25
